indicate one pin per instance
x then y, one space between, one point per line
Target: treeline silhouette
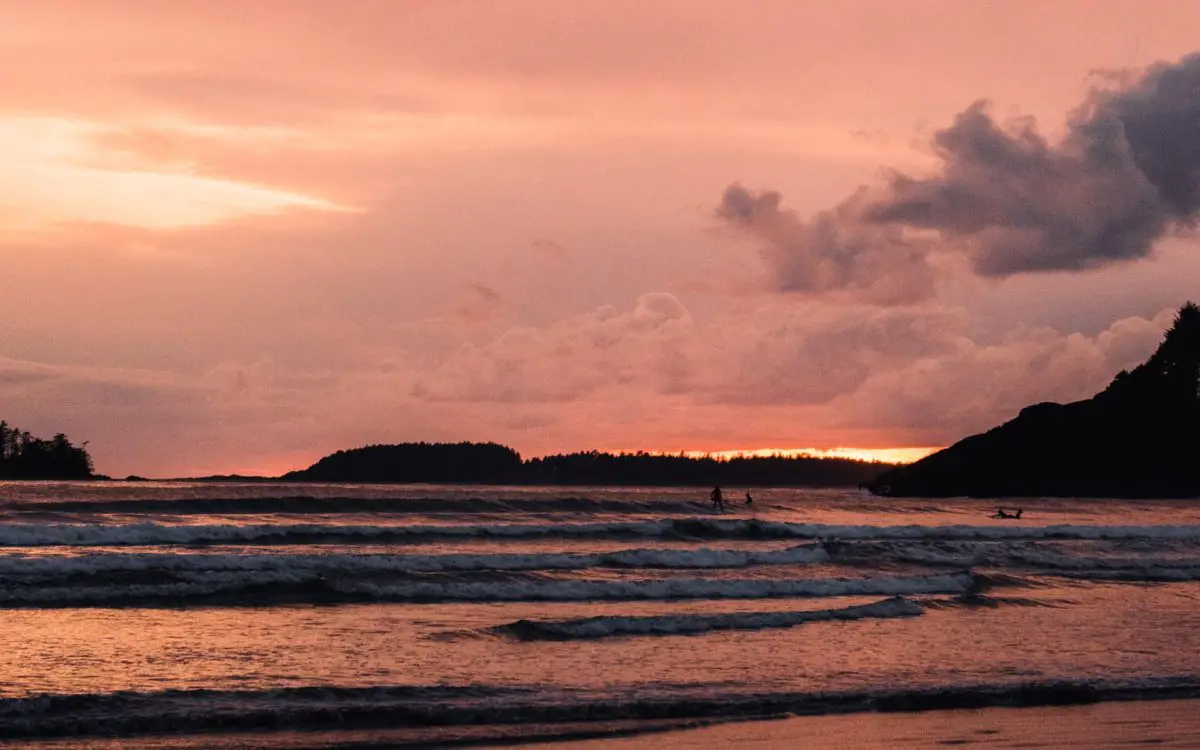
492 463
23 456
642 468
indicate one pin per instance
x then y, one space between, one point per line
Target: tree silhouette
23 456
1171 377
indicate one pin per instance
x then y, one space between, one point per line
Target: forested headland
491 463
23 456
1139 437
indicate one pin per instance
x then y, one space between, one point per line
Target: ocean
222 615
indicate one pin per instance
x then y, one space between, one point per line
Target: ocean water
173 615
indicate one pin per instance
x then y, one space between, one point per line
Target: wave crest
205 711
141 534
690 624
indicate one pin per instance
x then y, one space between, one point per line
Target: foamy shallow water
140 609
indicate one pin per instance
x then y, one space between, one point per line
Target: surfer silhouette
717 500
749 500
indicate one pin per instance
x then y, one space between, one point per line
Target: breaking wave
204 711
287 585
1026 553
22 535
1024 556
690 624
986 601
312 505
1147 575
29 568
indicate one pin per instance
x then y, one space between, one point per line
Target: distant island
490 463
1138 438
23 456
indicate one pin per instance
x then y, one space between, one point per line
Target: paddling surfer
717 500
1001 513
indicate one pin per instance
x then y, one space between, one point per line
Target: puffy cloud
763 352
1126 173
936 400
776 370
650 376
916 372
835 251
802 353
641 348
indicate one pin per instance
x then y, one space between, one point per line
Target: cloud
834 252
773 372
58 172
912 375
571 358
1126 173
805 353
179 193
976 386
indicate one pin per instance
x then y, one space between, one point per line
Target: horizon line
901 455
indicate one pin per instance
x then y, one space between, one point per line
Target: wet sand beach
1122 724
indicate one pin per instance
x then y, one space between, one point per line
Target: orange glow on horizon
905 455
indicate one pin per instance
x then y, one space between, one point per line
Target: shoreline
1167 723
1022 719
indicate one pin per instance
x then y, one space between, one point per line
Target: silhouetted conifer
23 456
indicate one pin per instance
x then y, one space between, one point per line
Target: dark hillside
1140 437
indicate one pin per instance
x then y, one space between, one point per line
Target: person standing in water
749 500
717 500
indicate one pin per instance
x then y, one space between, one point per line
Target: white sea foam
195 712
714 558
1158 574
668 588
609 626
143 534
22 535
297 584
29 567
1040 554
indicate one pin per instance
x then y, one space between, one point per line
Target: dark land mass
230 478
23 456
490 463
1138 438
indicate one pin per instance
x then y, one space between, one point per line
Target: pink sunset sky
238 235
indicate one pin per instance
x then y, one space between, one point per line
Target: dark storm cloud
1126 173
